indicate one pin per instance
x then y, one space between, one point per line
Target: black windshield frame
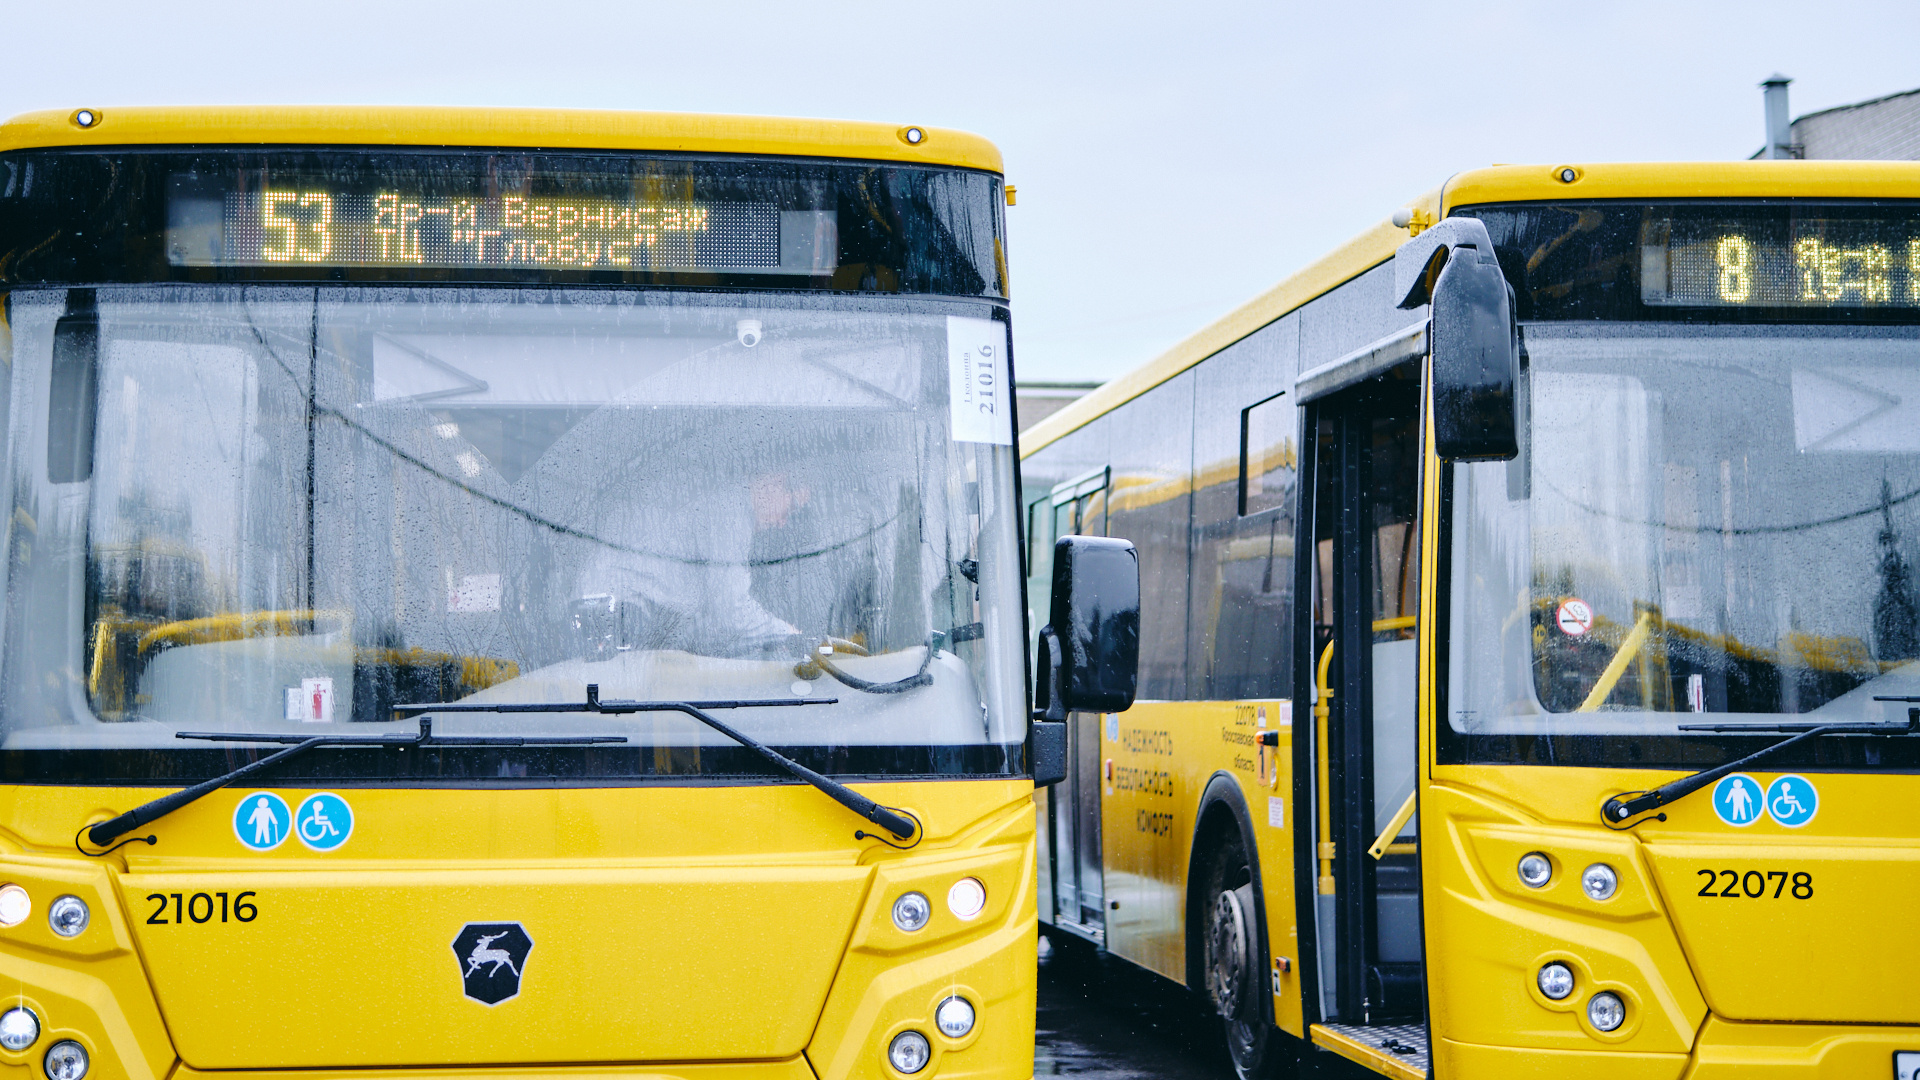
1691 751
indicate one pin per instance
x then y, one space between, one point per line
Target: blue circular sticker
262 820
324 821
1737 799
1792 801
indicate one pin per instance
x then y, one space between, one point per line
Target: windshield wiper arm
897 823
1618 809
111 829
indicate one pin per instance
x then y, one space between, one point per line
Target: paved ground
1102 1019
1105 1019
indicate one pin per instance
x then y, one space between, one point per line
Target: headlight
68 916
908 1052
1600 881
1606 1011
18 1029
1535 870
912 911
954 1017
15 905
1556 981
967 898
66 1060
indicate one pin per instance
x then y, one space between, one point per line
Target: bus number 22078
1756 884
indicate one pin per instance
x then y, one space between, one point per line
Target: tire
1233 964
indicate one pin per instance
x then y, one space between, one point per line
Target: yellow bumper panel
1800 1051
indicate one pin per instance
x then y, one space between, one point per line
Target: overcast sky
1172 160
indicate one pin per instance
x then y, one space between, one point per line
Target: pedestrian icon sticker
1737 799
1792 801
262 821
324 821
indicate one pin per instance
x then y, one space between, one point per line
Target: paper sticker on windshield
1737 799
980 397
1575 618
1792 800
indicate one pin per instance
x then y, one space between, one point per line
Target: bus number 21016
201 907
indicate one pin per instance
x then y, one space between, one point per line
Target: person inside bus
683 579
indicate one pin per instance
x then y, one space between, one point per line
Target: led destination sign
475 214
1780 262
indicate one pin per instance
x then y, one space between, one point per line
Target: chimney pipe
1779 127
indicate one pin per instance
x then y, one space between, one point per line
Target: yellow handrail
1616 667
1385 840
1322 708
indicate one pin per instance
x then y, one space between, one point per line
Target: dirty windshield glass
295 509
1705 525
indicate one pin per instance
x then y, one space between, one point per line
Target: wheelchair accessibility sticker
1737 799
1789 800
324 821
262 821
1792 801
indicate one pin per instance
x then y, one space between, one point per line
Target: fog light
967 898
954 1017
18 1029
15 905
66 1060
1535 870
68 916
1556 981
1600 881
908 1052
912 911
1606 1011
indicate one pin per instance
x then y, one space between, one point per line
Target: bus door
1070 857
1363 680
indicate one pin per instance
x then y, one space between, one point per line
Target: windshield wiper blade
106 832
1619 809
897 823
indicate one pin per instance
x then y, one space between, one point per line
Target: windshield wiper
898 824
112 829
1619 809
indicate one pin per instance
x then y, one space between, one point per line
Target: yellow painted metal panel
1486 939
794 1068
553 129
1687 180
1472 1060
882 990
676 923
1163 754
709 962
91 989
1796 1052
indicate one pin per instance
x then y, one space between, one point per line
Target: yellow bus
512 592
1528 636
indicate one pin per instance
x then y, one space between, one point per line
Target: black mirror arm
1413 263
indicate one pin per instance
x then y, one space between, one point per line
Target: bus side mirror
1474 339
1090 650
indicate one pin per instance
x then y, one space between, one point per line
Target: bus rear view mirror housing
1090 649
1474 339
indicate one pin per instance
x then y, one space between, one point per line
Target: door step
1397 1050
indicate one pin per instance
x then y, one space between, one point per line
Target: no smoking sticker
1575 618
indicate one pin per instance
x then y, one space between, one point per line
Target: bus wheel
1232 964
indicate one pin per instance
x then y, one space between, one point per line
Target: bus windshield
1706 524
288 510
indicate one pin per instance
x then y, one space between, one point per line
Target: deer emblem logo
492 957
